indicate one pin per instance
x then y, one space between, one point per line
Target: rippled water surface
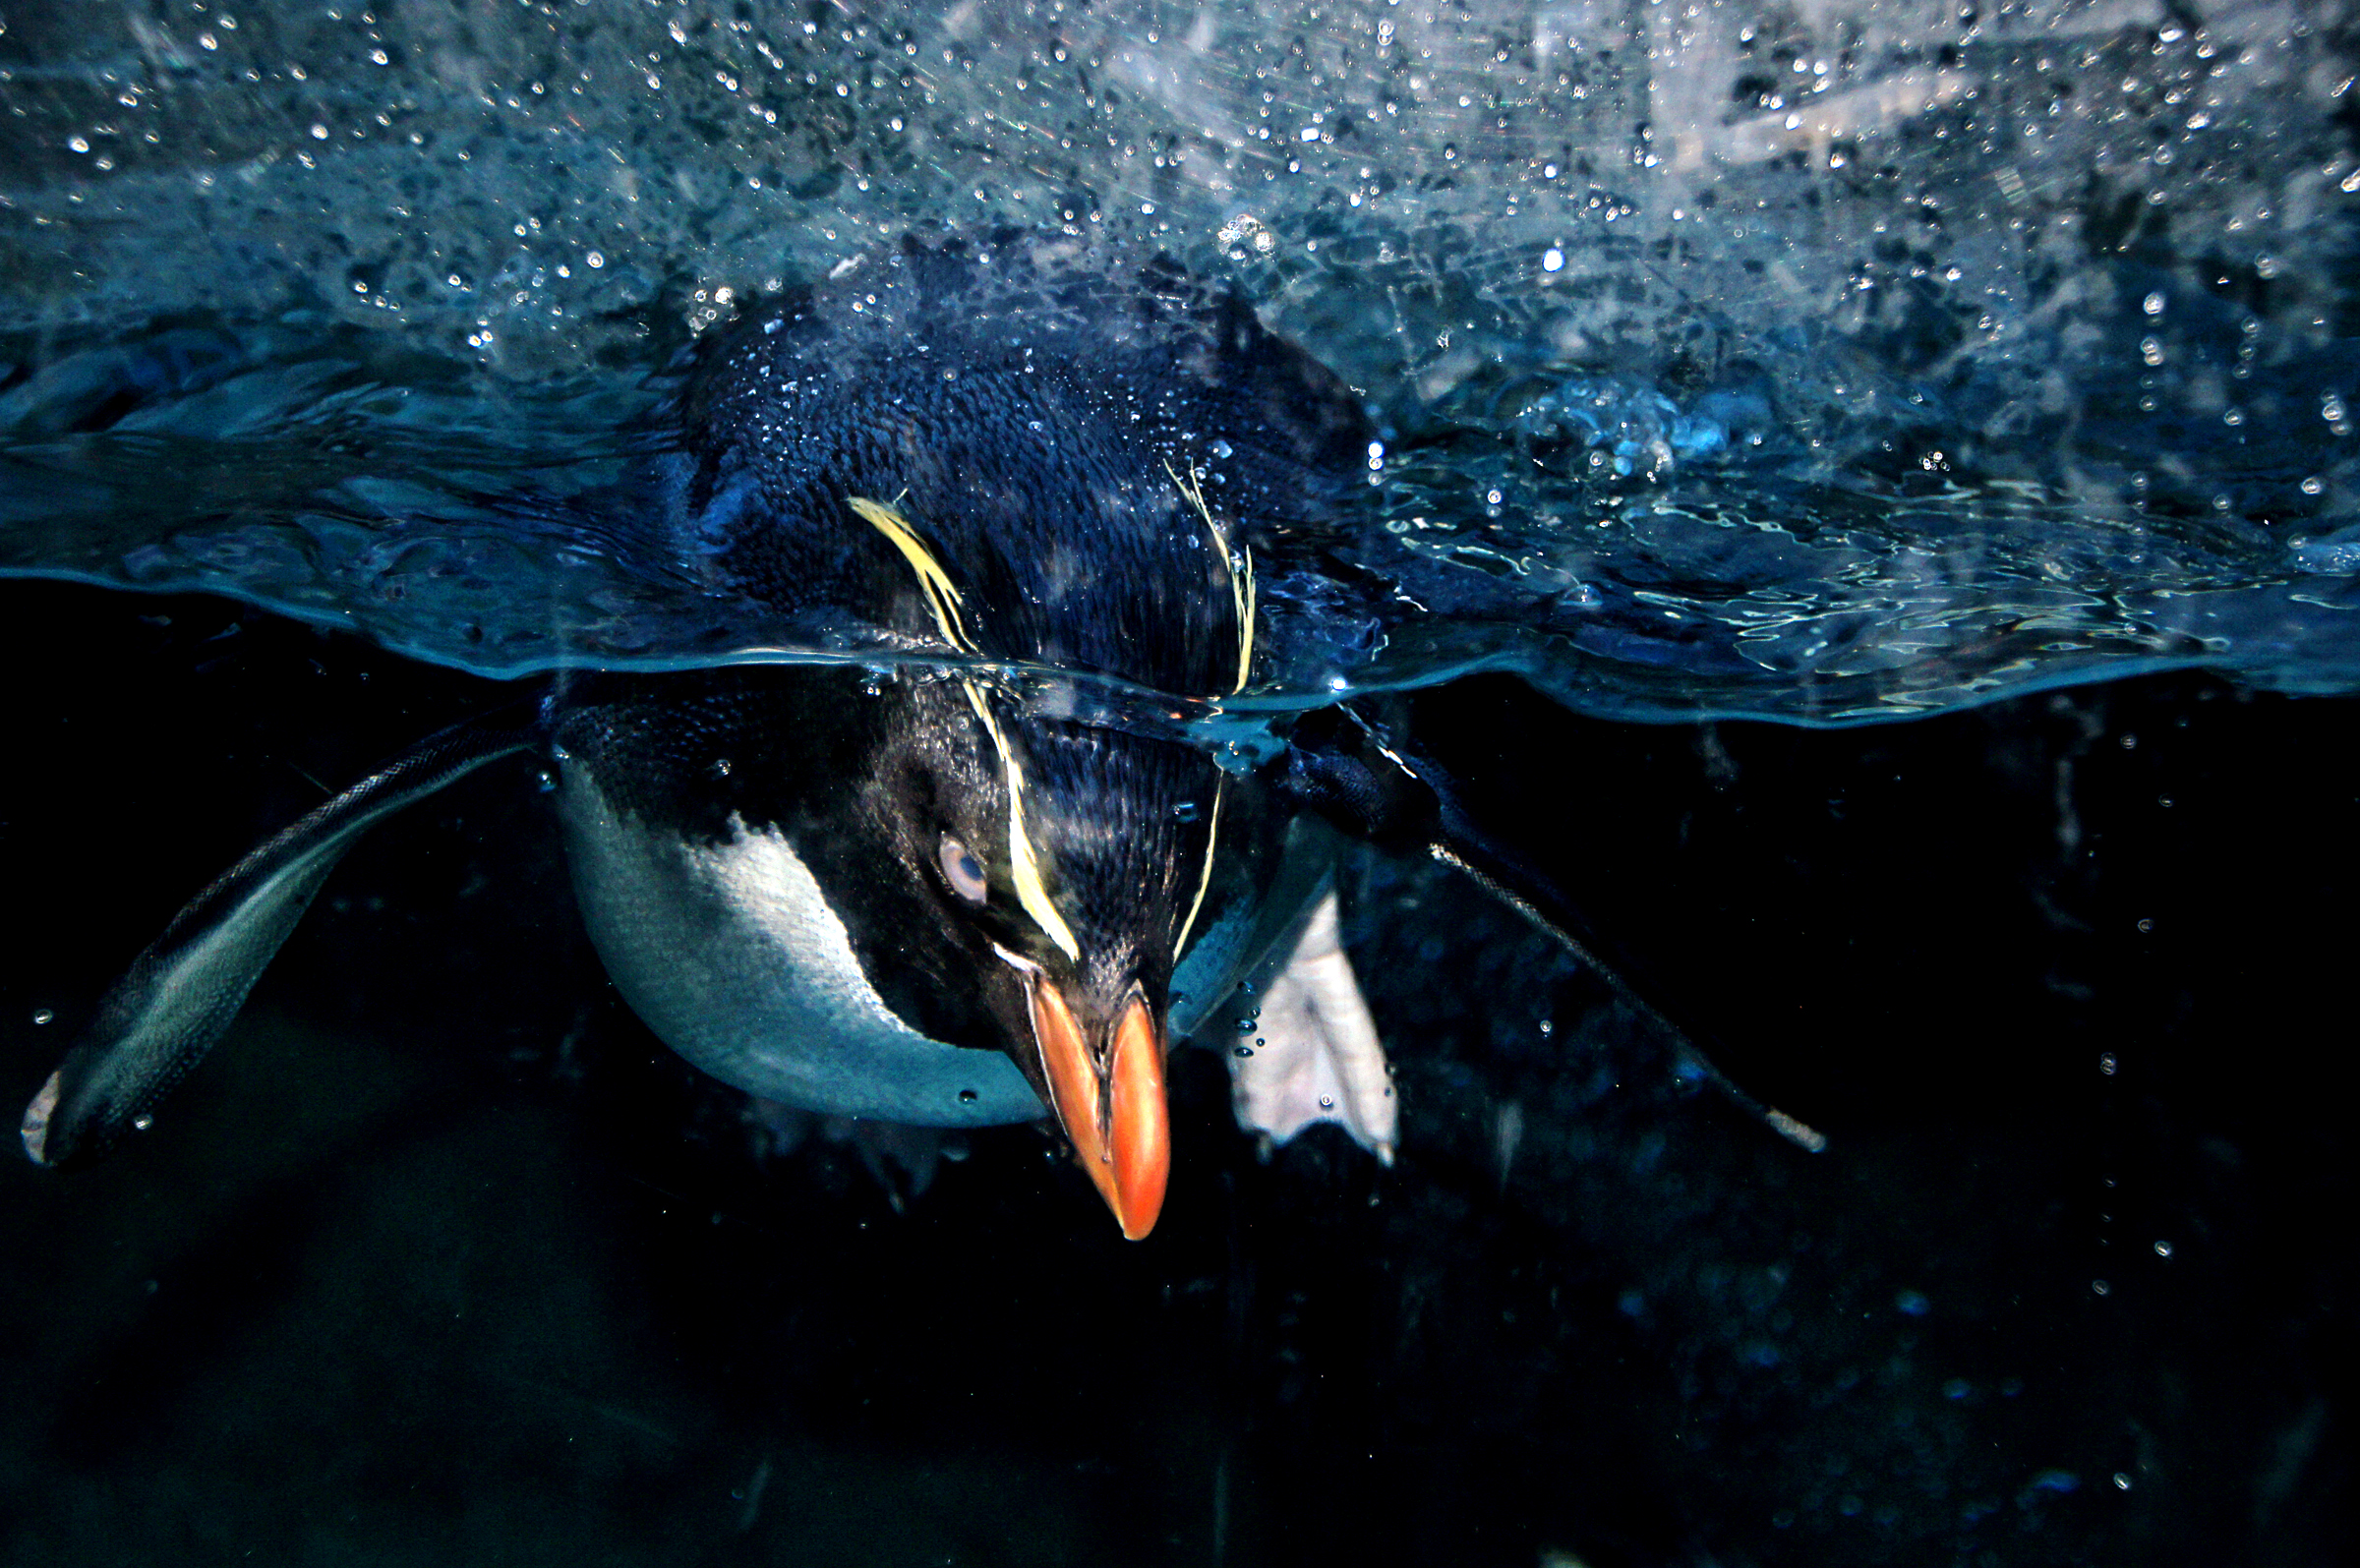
1828 364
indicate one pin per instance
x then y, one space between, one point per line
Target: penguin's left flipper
178 997
1373 784
1316 1055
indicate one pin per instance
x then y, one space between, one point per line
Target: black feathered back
1032 405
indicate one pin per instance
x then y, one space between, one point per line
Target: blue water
1726 365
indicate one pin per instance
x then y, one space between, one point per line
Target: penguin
1023 504
980 872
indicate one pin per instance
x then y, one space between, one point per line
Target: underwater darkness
440 1257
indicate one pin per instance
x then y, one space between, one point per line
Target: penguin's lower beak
1112 1100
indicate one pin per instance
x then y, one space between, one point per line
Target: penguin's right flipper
178 997
1371 784
1317 1057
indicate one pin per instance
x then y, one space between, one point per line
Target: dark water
1992 378
442 1258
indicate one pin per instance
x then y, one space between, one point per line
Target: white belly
731 953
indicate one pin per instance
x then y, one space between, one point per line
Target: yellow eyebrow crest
942 595
1024 862
1213 837
944 600
1238 561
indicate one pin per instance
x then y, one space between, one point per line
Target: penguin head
1049 870
1020 451
924 861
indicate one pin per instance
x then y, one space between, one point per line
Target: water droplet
1246 1026
1327 1102
1245 1050
42 1016
143 1121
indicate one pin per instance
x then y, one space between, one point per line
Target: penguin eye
963 870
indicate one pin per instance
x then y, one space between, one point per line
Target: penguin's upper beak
1105 1076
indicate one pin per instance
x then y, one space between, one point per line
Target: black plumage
1033 406
1039 477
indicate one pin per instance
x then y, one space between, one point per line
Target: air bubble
966 1097
43 1016
143 1121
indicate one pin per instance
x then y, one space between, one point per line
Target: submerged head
836 891
1058 866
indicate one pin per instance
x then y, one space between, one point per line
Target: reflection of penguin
918 898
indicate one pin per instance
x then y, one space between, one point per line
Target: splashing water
1827 365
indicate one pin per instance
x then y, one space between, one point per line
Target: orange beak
1120 1128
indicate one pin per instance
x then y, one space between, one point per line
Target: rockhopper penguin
1041 491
